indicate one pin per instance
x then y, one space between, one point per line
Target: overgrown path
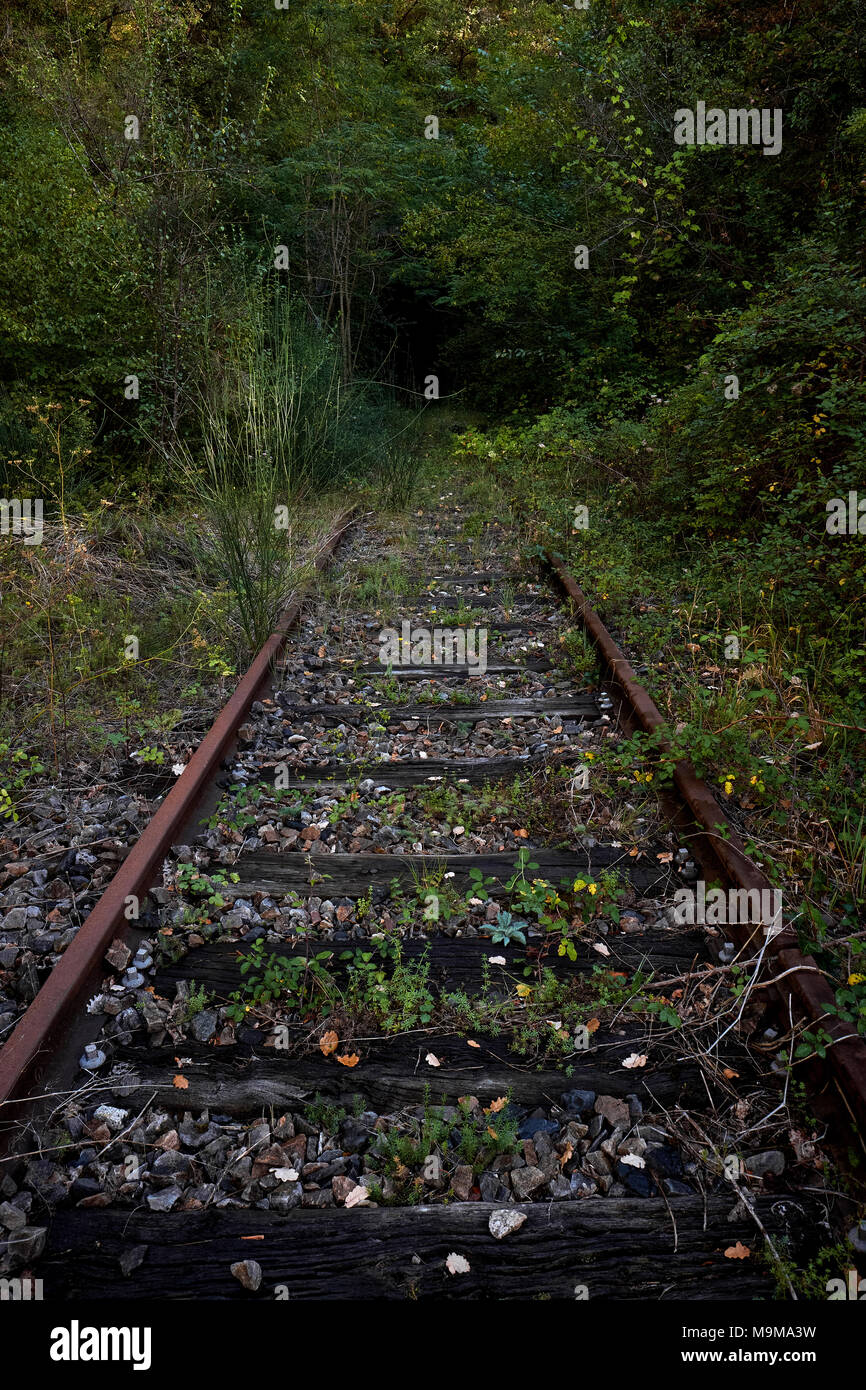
415 1016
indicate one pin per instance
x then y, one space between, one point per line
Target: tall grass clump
278 425
272 428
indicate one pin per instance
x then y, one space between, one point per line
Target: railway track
403 1007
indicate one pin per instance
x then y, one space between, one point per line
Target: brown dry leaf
521 834
470 1042
730 1073
180 1082
432 1060
665 858
351 1060
496 1105
566 1154
328 1043
322 651
636 1059
492 1132
593 1026
633 853
738 1251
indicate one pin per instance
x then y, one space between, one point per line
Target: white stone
504 1221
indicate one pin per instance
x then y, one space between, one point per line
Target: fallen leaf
665 858
432 1060
350 1060
738 1251
181 1083
322 651
457 1264
593 1026
730 1073
521 834
636 1059
328 1043
601 948
496 1105
566 1154
470 1042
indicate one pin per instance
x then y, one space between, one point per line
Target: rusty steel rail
28 1050
804 985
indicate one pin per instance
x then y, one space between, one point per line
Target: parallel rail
41 1040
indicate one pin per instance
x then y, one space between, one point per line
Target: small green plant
322 1113
292 981
206 888
17 768
197 1000
507 929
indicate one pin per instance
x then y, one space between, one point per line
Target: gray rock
489 1184
665 1160
653 1134
286 1196
525 1181
560 1189
18 918
248 1274
172 1161
13 1218
614 1110
537 1125
131 1259
324 1197
27 1243
635 1108
461 1182
204 1025
772 1161
164 1200
636 1180
354 1134
574 1132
